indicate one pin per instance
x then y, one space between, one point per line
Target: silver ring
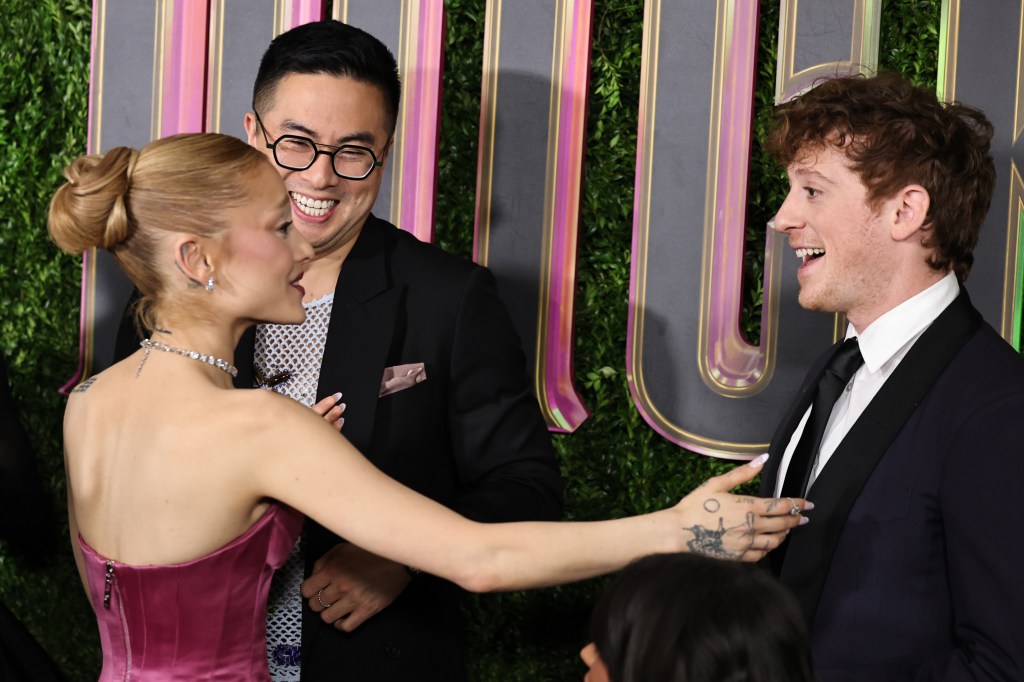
326 606
795 510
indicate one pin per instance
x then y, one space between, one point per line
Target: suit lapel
366 304
810 549
770 475
784 432
244 354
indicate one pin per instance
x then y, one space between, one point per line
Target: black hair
334 49
691 618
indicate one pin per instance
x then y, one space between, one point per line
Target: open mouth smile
314 208
806 255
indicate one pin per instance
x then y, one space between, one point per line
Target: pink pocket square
400 377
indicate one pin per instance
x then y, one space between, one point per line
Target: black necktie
840 370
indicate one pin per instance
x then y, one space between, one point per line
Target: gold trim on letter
863 49
949 38
408 46
1013 274
215 68
488 112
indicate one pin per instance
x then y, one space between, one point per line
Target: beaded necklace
185 353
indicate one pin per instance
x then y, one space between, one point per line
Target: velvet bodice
203 619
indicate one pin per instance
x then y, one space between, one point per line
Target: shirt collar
886 336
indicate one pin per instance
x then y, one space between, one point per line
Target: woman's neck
217 342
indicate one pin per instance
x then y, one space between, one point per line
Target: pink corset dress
204 619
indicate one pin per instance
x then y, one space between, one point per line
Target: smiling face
264 256
328 210
849 259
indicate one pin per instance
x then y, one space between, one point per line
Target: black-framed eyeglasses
295 152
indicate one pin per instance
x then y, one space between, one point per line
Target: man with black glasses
432 374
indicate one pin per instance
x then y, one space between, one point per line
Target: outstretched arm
344 492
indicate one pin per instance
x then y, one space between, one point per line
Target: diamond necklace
201 357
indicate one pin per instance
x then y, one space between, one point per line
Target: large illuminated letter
693 376
532 134
982 64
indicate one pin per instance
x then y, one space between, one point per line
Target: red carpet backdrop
603 158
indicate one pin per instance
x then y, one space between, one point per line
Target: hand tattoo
709 542
712 505
712 542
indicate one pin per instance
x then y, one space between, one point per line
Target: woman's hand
331 408
728 526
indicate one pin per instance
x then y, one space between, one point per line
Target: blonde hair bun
90 210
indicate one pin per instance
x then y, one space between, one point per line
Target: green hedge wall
44 88
613 465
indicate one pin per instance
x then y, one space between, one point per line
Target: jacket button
392 651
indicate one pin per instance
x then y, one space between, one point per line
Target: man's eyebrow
805 173
361 136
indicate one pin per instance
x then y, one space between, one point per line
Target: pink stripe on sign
305 11
422 83
563 402
728 365
183 95
730 360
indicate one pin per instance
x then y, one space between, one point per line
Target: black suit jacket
910 566
471 436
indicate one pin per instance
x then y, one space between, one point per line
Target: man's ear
251 128
191 259
911 206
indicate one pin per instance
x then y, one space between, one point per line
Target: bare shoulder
112 378
269 417
278 431
85 385
100 381
88 393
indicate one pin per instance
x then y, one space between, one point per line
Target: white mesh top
299 349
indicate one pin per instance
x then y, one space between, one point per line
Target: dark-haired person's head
325 104
894 134
330 48
691 618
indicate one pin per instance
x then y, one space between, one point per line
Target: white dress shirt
884 343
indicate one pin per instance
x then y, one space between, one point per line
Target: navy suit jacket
470 437
910 567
